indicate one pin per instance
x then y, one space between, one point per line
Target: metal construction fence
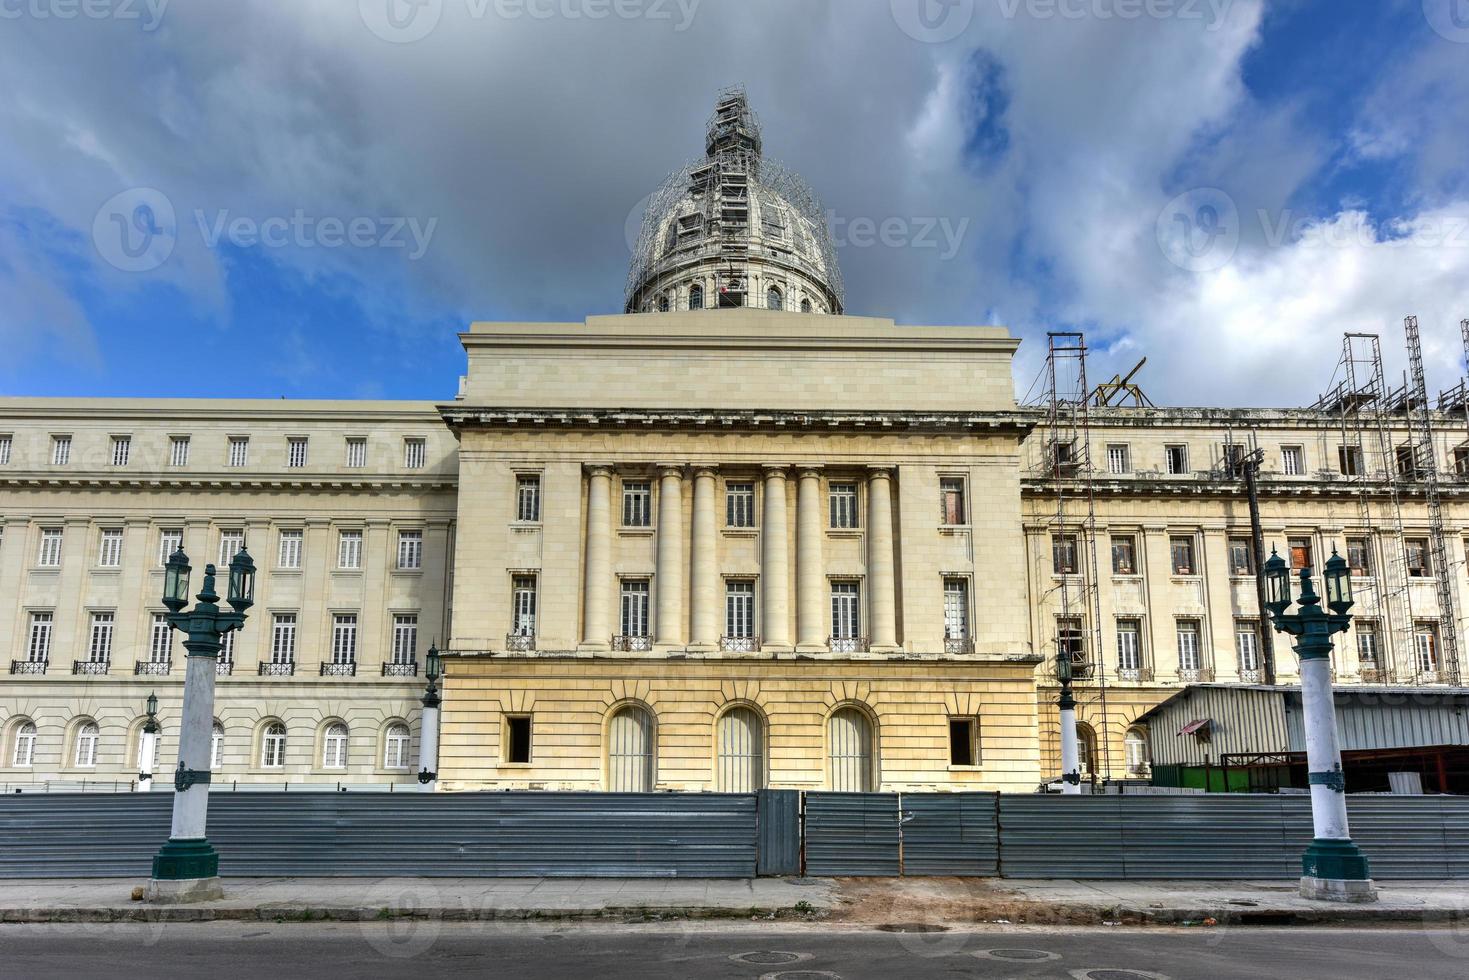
531 834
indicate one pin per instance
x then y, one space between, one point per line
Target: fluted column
880 559
704 566
775 609
596 635
669 631
810 582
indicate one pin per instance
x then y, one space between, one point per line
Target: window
356 452
1368 650
1181 550
663 303
739 610
1293 460
1461 459
122 448
846 611
1063 456
1177 459
1188 644
239 450
85 753
951 497
630 762
60 450
523 605
109 553
956 609
50 553
1124 555
227 648
963 742
1135 751
1407 461
517 740
1119 459
283 639
38 650
1063 554
849 742
160 640
24 754
178 451
290 549
4 450
528 498
1359 557
170 539
273 746
415 452
696 298
344 639
1300 552
773 299
410 550
1233 456
635 607
1349 460
637 503
805 306
1129 647
1425 648
334 747
1415 556
843 505
1247 645
99 651
296 452
739 505
395 747
1070 639
1241 556
349 550
740 736
216 745
405 638
230 543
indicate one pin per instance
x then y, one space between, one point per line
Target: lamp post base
186 860
183 891
1355 890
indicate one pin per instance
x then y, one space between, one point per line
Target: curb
319 913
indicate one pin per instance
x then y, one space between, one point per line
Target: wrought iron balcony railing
739 644
28 666
632 644
1143 675
1372 675
271 669
1194 675
348 669
520 642
958 645
410 669
152 667
847 644
1433 677
223 667
89 666
1250 676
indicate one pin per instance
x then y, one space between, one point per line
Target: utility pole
1251 465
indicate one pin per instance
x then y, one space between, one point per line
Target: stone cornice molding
464 416
233 483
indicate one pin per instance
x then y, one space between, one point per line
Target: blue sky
490 169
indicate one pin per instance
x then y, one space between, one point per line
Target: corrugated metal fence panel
1061 836
1403 836
780 832
1456 836
433 835
950 834
1215 836
852 834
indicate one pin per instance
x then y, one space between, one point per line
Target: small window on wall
663 303
1293 460
963 742
1177 459
696 298
637 503
1349 460
951 493
1359 557
843 497
805 306
1124 555
517 740
1300 553
774 300
1063 554
1181 550
1241 556
1415 556
528 498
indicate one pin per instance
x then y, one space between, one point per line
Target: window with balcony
1124 554
289 553
1241 556
634 611
160 645
122 450
739 505
951 501
739 616
344 646
1063 555
410 551
349 550
637 503
523 610
1190 664
283 643
404 656
846 616
109 550
99 649
38 646
956 615
1369 651
528 498
49 555
1416 558
1359 557
1247 649
1176 458
843 500
296 452
1129 649
1181 551
1293 460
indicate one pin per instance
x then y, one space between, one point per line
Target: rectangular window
1124 555
1247 645
38 650
517 739
951 492
1063 554
227 648
344 639
1461 459
122 448
635 607
523 605
1070 639
170 539
1177 459
1407 462
739 610
1129 649
1349 460
60 450
1188 644
109 552
50 553
1300 552
1241 556
349 550
160 640
290 549
356 452
1415 556
283 639
1119 459
963 742
739 505
230 543
239 450
528 498
4 450
956 609
178 451
1293 460
415 452
1367 644
843 505
1181 551
1233 456
637 504
1425 648
846 611
405 638
296 452
410 550
99 651
1359 557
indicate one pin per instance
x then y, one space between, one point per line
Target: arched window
395 747
1136 746
630 751
216 747
334 747
273 746
1086 748
805 306
849 739
741 740
696 298
774 300
663 303
88 735
24 754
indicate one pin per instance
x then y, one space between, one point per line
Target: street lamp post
428 733
1333 868
1070 754
186 868
148 746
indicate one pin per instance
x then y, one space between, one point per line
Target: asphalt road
426 950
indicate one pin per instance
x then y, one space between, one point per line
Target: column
775 612
880 560
596 634
704 566
669 577
810 580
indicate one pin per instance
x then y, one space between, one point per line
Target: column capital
598 469
775 469
669 469
810 471
710 470
880 471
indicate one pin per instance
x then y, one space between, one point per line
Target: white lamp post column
148 746
428 727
